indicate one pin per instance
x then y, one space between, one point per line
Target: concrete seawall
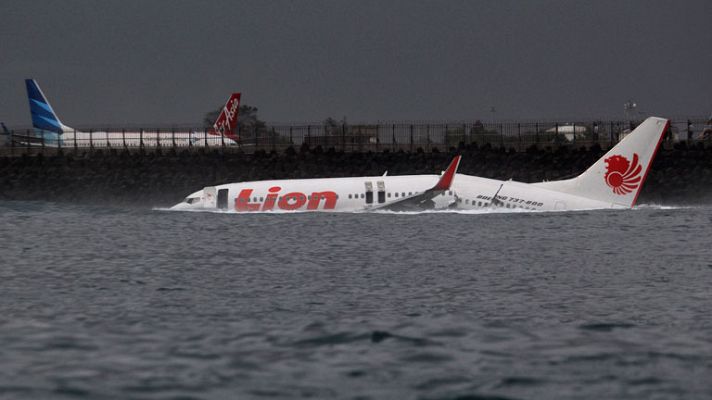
679 176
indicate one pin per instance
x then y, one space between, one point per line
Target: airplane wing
424 201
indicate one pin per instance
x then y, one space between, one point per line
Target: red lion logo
623 176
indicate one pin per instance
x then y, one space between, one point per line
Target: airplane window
349 196
262 199
402 194
362 195
467 201
410 193
389 195
479 203
396 194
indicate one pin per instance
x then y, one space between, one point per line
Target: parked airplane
569 131
50 130
614 181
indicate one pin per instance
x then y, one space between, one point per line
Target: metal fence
352 138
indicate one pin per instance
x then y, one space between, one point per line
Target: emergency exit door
222 199
369 192
381 186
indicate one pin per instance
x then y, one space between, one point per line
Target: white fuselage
72 138
375 192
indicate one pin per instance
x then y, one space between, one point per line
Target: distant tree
333 126
248 123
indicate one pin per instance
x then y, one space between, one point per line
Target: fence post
393 137
378 137
343 136
519 135
140 138
42 140
12 142
610 133
27 141
91 140
411 138
205 136
173 137
427 137
75 141
501 133
445 138
556 134
689 131
291 138
123 137
158 138
222 139
573 126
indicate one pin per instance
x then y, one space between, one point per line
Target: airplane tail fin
6 136
226 124
618 176
43 116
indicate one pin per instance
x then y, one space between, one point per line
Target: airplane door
210 194
381 192
222 199
369 193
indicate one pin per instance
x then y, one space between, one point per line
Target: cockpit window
191 200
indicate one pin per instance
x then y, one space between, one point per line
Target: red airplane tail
226 124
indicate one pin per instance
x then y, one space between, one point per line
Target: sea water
108 302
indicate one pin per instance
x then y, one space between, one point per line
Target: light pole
629 109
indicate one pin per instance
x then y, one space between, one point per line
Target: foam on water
496 210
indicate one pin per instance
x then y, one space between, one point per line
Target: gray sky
163 62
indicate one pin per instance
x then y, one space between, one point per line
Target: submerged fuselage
379 192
